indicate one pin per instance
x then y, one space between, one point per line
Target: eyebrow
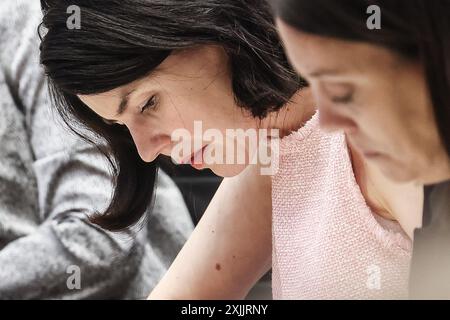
124 103
324 72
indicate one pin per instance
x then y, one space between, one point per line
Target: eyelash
343 100
149 104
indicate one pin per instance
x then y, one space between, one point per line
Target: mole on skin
218 267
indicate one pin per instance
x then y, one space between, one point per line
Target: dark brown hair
121 41
417 29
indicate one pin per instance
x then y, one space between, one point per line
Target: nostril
150 149
160 139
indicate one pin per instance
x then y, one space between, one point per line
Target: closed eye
339 93
348 98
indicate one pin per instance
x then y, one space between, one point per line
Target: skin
378 98
188 86
228 251
231 250
241 244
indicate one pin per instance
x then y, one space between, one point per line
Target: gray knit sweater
49 179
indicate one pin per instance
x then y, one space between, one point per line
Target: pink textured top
327 243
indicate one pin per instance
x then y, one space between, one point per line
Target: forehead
310 53
182 69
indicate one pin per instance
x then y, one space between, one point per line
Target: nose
331 122
332 118
149 145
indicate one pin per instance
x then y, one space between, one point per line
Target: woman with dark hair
136 72
388 89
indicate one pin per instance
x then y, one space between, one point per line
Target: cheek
378 118
397 111
202 109
383 118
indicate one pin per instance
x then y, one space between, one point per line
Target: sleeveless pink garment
327 243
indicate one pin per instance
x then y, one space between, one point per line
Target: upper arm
230 249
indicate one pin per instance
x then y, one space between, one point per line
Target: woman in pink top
148 72
380 72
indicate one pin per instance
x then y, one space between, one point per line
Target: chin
227 171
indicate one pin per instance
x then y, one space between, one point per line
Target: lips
371 154
366 153
195 158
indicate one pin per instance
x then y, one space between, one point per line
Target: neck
438 172
293 115
401 202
